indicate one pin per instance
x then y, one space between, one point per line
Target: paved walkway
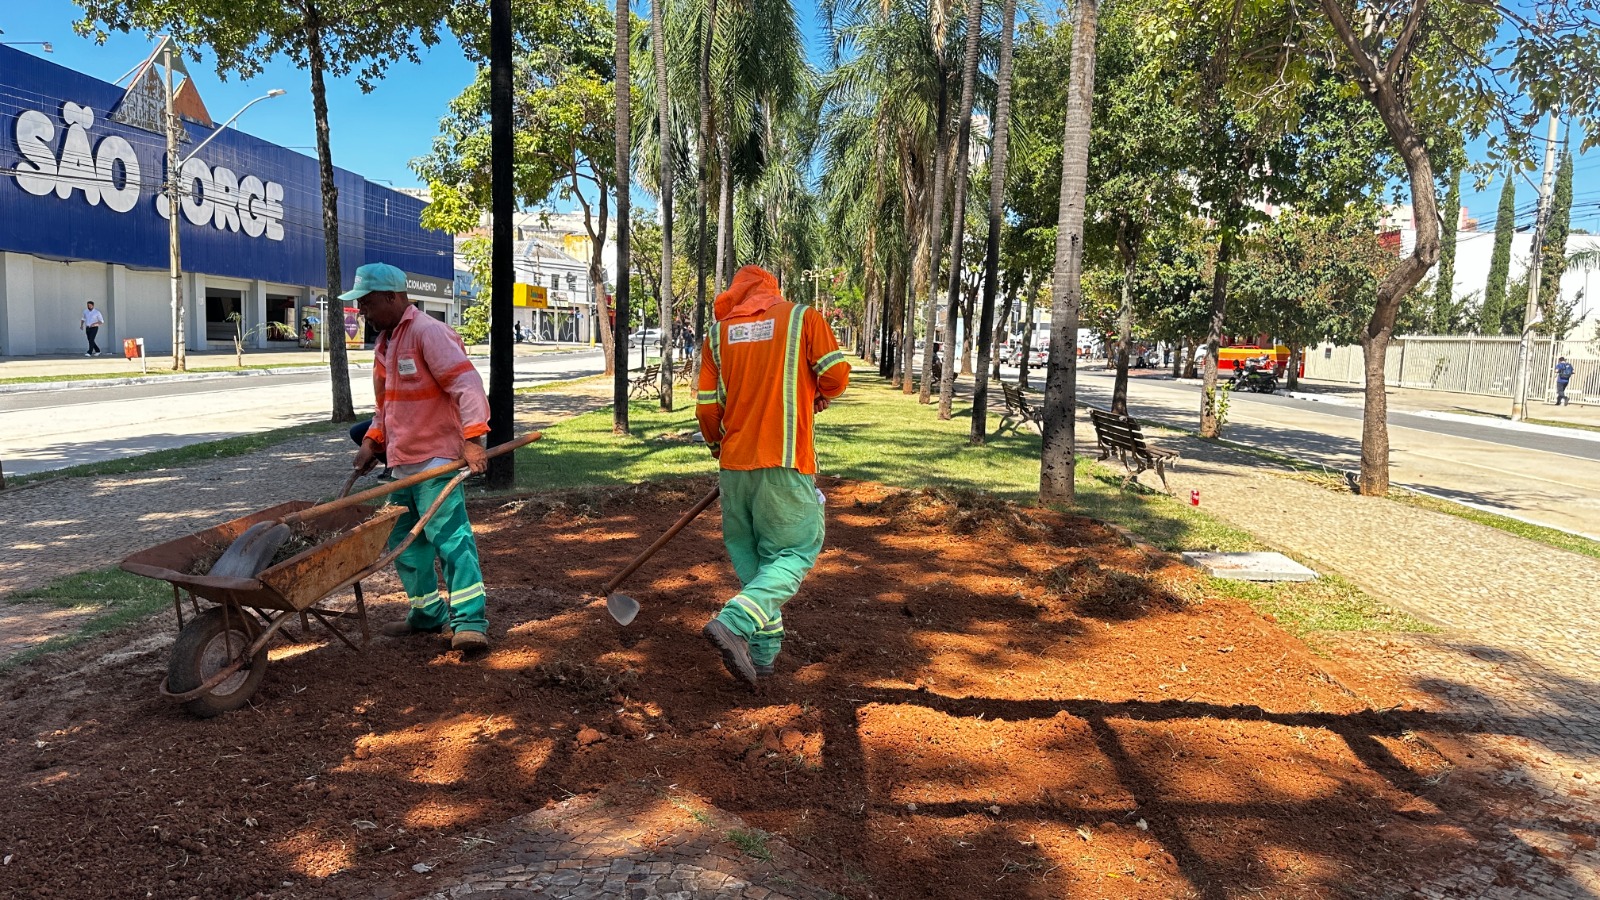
1518 655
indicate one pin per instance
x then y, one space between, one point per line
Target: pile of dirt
973 700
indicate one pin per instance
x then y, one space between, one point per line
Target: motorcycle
1256 376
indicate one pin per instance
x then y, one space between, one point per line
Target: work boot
404 628
734 649
470 643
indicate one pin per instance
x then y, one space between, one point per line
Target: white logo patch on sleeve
751 332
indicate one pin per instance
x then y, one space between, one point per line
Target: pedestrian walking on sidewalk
1563 375
431 410
90 324
768 366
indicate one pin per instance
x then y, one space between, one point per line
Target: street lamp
174 168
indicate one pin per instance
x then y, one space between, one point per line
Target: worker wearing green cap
431 410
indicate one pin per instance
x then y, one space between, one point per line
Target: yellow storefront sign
532 296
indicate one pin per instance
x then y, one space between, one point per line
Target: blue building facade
83 217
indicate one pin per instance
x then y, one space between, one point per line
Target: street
48 430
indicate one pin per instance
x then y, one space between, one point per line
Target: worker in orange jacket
768 366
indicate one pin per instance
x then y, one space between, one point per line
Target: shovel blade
622 608
251 552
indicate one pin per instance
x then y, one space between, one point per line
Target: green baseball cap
375 277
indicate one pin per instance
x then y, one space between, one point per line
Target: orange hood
752 292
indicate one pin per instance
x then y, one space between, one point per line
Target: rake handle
672 532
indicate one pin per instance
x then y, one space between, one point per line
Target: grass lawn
114 597
876 433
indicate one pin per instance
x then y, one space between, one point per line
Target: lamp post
174 192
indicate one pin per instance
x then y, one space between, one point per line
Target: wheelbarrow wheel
208 644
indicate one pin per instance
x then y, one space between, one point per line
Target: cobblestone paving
1518 656
628 843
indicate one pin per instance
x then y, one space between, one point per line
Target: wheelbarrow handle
385 489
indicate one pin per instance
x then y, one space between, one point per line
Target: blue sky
377 134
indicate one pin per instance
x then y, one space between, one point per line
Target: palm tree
1060 394
664 118
991 252
624 169
958 217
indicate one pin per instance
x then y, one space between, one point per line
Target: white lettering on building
109 173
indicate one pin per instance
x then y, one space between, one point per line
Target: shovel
252 551
624 608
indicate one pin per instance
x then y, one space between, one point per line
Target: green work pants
447 537
772 526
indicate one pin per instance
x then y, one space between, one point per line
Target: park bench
688 371
1123 436
1019 411
646 383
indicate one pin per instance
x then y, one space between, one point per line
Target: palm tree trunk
669 340
724 215
624 163
966 325
1056 462
958 218
991 249
338 361
703 188
934 240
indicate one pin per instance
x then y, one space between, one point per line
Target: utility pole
1519 400
178 357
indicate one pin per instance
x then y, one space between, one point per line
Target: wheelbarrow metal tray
293 585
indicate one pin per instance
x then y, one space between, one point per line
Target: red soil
973 700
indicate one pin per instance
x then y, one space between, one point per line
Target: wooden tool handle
385 489
672 532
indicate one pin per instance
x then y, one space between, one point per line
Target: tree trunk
1061 384
969 302
597 281
338 361
1119 389
624 161
998 155
885 328
725 265
1291 376
703 188
908 336
958 218
1027 335
1384 95
669 340
1210 420
1001 326
1180 351
934 221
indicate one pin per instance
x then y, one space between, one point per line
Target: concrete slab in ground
1249 566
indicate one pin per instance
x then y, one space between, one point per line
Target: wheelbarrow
220 656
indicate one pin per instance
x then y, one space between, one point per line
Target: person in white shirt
90 325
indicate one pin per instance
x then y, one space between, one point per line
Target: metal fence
1466 365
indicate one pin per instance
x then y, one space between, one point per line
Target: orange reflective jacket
762 368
